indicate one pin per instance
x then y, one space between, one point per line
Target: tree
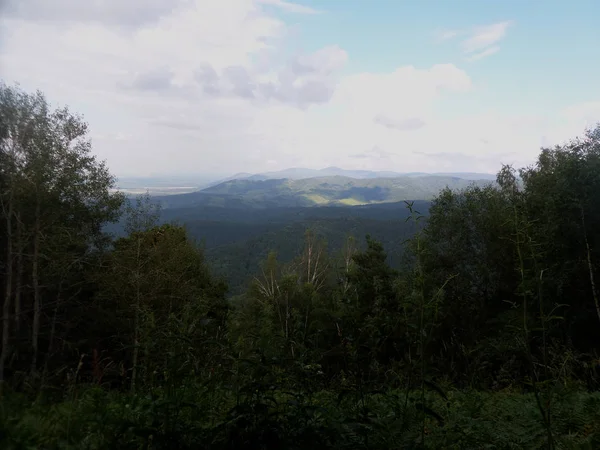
152 277
370 306
54 191
562 198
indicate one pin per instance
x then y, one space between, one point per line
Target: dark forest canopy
484 332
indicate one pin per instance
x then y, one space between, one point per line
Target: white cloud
484 53
446 35
302 81
201 86
481 41
291 7
587 113
411 123
485 36
110 13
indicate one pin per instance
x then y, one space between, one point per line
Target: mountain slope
319 191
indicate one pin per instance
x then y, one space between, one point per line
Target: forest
483 335
236 240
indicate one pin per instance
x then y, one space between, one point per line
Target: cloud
215 86
412 123
208 78
483 40
375 152
476 163
485 36
484 53
446 35
291 7
587 113
324 61
131 13
155 80
304 80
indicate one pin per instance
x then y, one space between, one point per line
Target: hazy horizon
180 86
219 176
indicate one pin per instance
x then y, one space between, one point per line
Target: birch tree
54 190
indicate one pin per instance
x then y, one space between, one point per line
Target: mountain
297 173
317 191
162 185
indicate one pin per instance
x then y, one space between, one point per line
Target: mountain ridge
317 191
299 173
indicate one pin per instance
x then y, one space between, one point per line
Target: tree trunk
19 274
8 290
51 338
37 301
136 325
590 265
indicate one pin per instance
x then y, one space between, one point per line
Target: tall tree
152 277
54 190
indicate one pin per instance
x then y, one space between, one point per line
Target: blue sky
191 86
548 43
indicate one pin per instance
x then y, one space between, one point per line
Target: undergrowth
269 418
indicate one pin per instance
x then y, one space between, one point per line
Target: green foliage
166 299
55 197
270 419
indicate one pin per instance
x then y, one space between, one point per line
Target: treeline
484 335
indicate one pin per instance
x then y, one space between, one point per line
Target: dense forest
236 240
484 335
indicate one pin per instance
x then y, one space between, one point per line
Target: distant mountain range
296 173
262 191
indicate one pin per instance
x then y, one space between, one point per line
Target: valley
240 220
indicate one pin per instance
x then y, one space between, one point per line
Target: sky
197 86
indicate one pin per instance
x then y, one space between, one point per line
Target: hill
319 191
298 173
163 185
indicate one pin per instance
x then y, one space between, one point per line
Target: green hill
319 191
